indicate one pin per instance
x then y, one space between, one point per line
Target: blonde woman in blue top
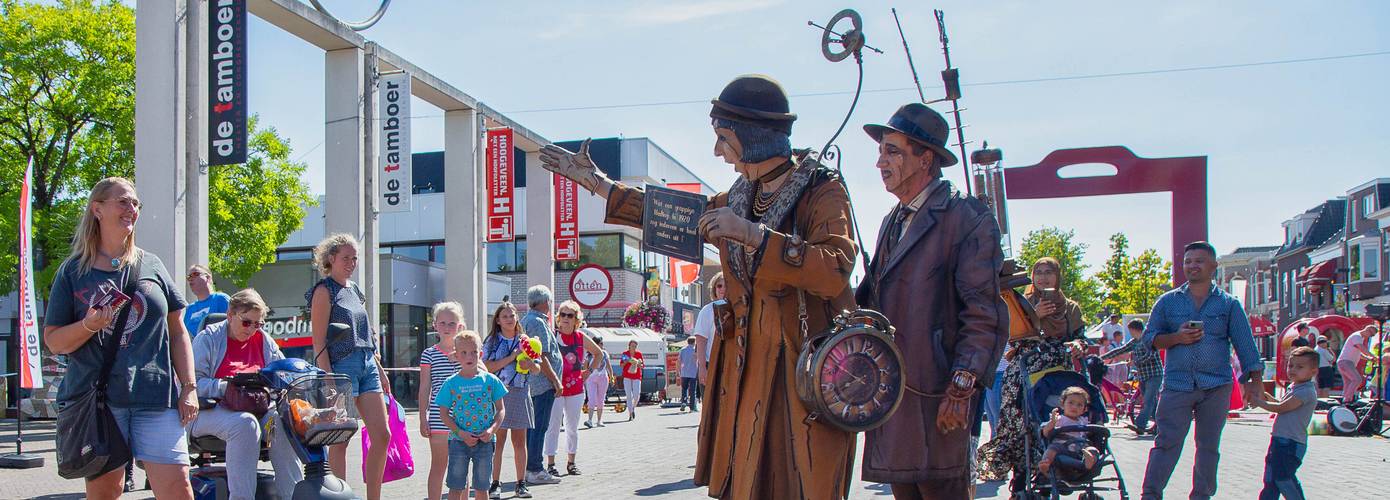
336 299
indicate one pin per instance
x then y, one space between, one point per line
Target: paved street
652 456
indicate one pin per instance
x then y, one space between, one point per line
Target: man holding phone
1198 324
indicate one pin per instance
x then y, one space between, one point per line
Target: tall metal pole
908 51
955 102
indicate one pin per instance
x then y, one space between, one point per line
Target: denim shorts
460 455
155 434
361 369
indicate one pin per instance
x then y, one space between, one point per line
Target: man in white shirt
1111 327
704 323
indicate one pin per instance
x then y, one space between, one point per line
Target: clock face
860 380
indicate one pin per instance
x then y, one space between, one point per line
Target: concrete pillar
195 130
345 174
540 226
371 239
461 235
159 172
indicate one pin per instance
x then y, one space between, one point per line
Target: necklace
115 263
763 202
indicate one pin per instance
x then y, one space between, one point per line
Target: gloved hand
578 167
722 223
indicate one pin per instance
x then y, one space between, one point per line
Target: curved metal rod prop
371 21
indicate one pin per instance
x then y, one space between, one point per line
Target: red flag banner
566 219
30 357
682 272
500 201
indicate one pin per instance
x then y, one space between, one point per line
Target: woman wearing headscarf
1060 323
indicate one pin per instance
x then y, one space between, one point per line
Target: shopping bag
89 442
399 463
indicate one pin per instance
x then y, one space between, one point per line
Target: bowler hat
756 100
921 124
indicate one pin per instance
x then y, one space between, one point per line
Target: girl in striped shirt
437 365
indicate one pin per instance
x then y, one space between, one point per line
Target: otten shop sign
393 188
227 82
591 286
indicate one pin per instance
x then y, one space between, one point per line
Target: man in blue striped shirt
1198 324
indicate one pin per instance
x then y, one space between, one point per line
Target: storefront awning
1322 272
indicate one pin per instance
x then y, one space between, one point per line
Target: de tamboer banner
226 82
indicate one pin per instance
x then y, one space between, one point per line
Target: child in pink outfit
1075 402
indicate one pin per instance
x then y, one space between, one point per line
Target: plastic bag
399 462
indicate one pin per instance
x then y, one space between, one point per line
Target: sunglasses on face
194 276
568 315
246 323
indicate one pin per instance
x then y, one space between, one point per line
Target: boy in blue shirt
470 404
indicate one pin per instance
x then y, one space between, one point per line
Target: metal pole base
20 461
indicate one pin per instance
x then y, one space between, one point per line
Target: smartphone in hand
1194 325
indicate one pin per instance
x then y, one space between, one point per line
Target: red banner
566 219
500 202
30 354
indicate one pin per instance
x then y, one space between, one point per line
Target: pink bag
399 463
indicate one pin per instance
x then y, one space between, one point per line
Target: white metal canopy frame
171 162
358 26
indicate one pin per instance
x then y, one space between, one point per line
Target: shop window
501 257
602 249
421 252
1365 260
294 255
632 254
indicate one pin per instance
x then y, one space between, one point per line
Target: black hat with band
756 100
921 124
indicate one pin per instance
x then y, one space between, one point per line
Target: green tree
253 207
67 100
1058 244
1132 284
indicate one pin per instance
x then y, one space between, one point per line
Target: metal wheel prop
356 26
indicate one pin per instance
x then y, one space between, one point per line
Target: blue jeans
155 435
460 455
1281 463
361 369
1149 389
993 398
688 395
535 438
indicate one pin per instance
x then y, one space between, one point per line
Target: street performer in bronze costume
783 228
935 276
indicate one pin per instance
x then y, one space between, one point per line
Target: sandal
571 469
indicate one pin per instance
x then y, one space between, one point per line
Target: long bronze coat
755 441
940 288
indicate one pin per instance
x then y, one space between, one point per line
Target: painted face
1301 369
727 147
1074 406
898 167
447 324
245 323
466 353
1198 265
120 209
1045 276
344 262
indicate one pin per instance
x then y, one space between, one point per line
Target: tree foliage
1058 244
67 100
253 207
1132 284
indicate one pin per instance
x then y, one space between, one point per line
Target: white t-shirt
1352 348
1110 328
704 327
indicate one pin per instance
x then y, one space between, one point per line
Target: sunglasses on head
568 315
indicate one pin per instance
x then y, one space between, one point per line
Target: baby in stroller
1075 403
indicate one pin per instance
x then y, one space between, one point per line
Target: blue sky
1279 138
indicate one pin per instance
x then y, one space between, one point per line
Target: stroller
1068 474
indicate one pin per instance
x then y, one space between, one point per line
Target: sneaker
521 491
541 477
588 424
631 415
494 492
550 469
571 469
682 408
600 424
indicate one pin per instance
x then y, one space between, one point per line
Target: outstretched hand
722 223
578 167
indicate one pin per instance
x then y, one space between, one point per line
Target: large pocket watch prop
851 375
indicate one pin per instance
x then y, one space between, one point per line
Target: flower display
647 315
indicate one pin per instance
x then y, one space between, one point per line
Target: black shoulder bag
89 443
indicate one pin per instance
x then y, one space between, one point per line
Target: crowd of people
784 231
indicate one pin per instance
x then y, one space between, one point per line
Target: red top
571 363
242 357
632 365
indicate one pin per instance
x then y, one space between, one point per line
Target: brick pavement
653 456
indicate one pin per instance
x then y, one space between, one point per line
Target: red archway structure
1185 178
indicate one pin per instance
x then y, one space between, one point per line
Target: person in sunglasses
210 301
240 345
